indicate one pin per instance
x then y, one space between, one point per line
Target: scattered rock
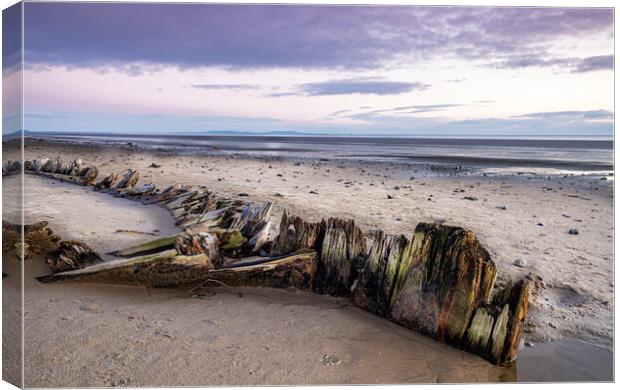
154 165
390 196
243 194
573 231
470 198
521 263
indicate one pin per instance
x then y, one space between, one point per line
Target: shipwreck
439 280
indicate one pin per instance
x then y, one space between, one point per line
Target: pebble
521 263
573 231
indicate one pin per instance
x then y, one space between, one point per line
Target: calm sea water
580 155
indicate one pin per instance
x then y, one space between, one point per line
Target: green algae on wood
479 332
153 246
231 240
442 279
377 276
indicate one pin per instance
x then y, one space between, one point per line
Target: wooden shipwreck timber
440 281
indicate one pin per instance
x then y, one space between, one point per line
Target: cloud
535 60
427 107
235 87
570 115
283 94
363 86
591 64
413 109
577 65
339 112
11 39
258 36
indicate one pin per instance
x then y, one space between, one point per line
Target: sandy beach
247 334
85 335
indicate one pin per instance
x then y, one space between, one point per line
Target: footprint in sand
563 297
330 360
90 308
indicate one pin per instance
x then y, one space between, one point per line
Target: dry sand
523 217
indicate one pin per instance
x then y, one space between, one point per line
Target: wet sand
80 334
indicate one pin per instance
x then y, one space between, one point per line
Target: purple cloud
567 115
234 87
11 38
577 65
194 35
591 64
364 86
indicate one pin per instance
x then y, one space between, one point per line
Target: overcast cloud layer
314 68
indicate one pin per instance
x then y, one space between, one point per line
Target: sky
191 68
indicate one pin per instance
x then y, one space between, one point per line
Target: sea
559 155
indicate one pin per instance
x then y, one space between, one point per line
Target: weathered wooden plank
149 247
38 238
479 331
108 181
129 179
296 270
376 280
72 255
163 269
342 248
295 233
516 296
445 274
191 243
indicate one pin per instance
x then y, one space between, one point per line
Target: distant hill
250 133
